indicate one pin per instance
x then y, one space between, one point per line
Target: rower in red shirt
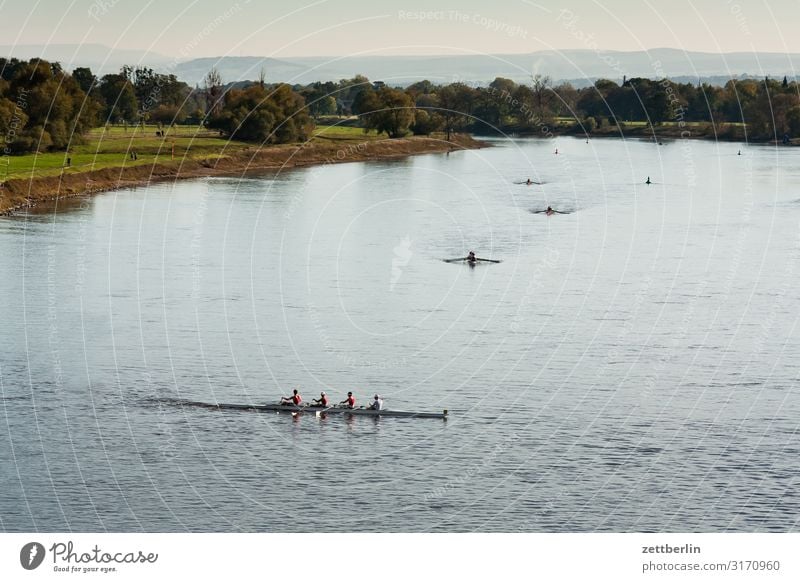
350 401
295 399
321 401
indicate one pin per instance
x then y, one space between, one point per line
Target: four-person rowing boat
315 409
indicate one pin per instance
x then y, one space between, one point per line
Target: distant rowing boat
322 410
471 261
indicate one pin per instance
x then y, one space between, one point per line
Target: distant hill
235 69
580 66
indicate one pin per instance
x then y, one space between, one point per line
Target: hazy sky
190 29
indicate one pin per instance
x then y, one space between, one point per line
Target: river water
631 365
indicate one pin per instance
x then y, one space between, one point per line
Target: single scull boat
471 261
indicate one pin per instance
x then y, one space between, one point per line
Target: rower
648 180
529 182
295 399
321 401
377 404
471 257
549 211
350 401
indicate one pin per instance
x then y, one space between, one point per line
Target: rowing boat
324 410
471 261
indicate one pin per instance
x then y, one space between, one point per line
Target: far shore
25 192
640 130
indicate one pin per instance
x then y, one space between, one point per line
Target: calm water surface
630 366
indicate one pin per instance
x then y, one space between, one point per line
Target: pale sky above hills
186 29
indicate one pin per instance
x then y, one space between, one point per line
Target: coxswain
321 401
350 401
294 400
377 404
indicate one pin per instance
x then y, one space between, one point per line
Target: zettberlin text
667 549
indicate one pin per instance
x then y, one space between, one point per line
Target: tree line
769 108
44 108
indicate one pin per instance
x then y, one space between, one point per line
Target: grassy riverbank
117 157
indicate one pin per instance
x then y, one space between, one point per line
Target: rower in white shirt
377 404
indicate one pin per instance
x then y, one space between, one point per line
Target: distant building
378 84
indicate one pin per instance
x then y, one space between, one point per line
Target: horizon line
404 55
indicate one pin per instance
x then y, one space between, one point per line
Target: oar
293 408
300 409
325 409
476 259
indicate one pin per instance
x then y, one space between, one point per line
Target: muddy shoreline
22 193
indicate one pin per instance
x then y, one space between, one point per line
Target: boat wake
184 403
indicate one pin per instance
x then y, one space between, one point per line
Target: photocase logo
32 555
402 255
